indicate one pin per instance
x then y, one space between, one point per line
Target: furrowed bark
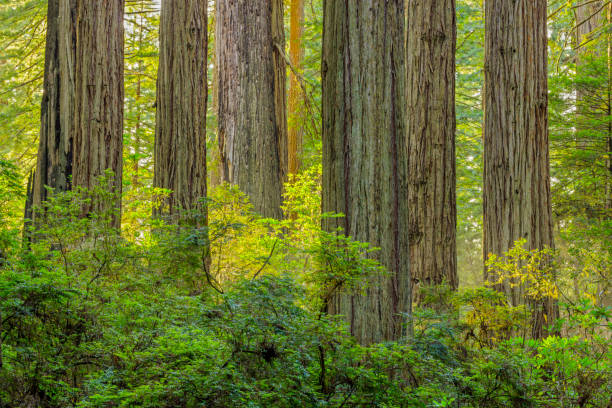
364 155
54 160
180 135
252 126
98 132
517 201
430 64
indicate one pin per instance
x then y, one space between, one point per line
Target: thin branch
558 10
266 261
586 19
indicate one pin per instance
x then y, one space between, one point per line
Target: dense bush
231 315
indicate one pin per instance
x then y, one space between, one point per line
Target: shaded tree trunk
517 201
295 104
588 19
180 135
98 132
430 63
364 155
54 161
252 126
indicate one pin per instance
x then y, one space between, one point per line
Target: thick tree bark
430 63
295 104
364 155
54 161
517 202
98 133
252 125
180 135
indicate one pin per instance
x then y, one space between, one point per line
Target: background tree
141 64
23 37
589 19
469 55
592 49
295 105
180 137
517 201
252 128
580 123
430 95
98 133
364 155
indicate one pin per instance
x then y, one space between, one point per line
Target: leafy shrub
231 314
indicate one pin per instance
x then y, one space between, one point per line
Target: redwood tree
98 120
517 202
430 95
54 161
364 155
180 134
252 125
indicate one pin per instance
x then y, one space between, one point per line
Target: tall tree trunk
517 202
252 125
180 135
364 155
430 63
98 132
54 161
295 104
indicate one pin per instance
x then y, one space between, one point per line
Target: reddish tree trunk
252 125
430 63
98 132
54 161
517 201
364 155
180 135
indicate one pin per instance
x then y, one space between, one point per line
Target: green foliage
489 318
10 188
469 115
90 319
22 44
532 271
